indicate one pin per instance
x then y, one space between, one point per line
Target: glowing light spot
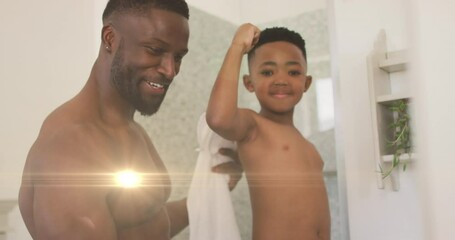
128 179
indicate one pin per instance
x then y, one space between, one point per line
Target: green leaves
401 140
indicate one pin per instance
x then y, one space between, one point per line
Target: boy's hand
246 37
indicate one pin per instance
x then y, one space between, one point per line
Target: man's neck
112 108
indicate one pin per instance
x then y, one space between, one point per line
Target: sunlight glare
128 179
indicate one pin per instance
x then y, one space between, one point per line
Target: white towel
210 209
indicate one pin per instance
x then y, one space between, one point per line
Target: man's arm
223 114
68 203
178 216
67 214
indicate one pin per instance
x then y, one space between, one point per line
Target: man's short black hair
140 6
276 34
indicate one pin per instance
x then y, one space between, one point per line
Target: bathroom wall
374 214
433 38
256 11
173 127
46 52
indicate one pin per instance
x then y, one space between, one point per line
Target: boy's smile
278 75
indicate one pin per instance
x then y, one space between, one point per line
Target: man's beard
127 84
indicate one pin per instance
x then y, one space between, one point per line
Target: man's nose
167 67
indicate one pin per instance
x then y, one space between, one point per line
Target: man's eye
178 58
155 51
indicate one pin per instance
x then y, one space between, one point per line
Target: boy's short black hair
140 6
276 34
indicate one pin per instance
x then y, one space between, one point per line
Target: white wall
46 52
256 11
374 213
434 38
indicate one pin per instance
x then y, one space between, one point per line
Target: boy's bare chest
273 138
280 149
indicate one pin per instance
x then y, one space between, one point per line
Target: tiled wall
173 128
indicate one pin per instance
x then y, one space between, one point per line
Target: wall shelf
394 62
404 158
381 64
390 98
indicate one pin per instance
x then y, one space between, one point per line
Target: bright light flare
128 179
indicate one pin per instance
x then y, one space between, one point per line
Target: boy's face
278 76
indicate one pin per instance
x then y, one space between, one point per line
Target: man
69 189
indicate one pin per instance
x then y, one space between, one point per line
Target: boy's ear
309 80
248 83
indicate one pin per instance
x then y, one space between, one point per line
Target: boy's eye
294 73
266 73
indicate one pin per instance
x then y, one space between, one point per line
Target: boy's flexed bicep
223 113
240 128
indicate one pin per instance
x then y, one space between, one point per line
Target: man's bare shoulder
63 145
59 170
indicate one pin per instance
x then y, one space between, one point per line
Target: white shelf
404 158
386 99
394 61
381 64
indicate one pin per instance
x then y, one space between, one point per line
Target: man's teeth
155 85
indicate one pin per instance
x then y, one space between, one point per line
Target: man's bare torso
76 156
284 173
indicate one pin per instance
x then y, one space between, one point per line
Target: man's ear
308 81
248 83
108 36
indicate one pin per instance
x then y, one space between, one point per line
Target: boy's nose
280 82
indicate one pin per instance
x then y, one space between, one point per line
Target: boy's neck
286 118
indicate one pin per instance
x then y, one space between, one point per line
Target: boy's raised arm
223 114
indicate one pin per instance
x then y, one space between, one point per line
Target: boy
284 170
